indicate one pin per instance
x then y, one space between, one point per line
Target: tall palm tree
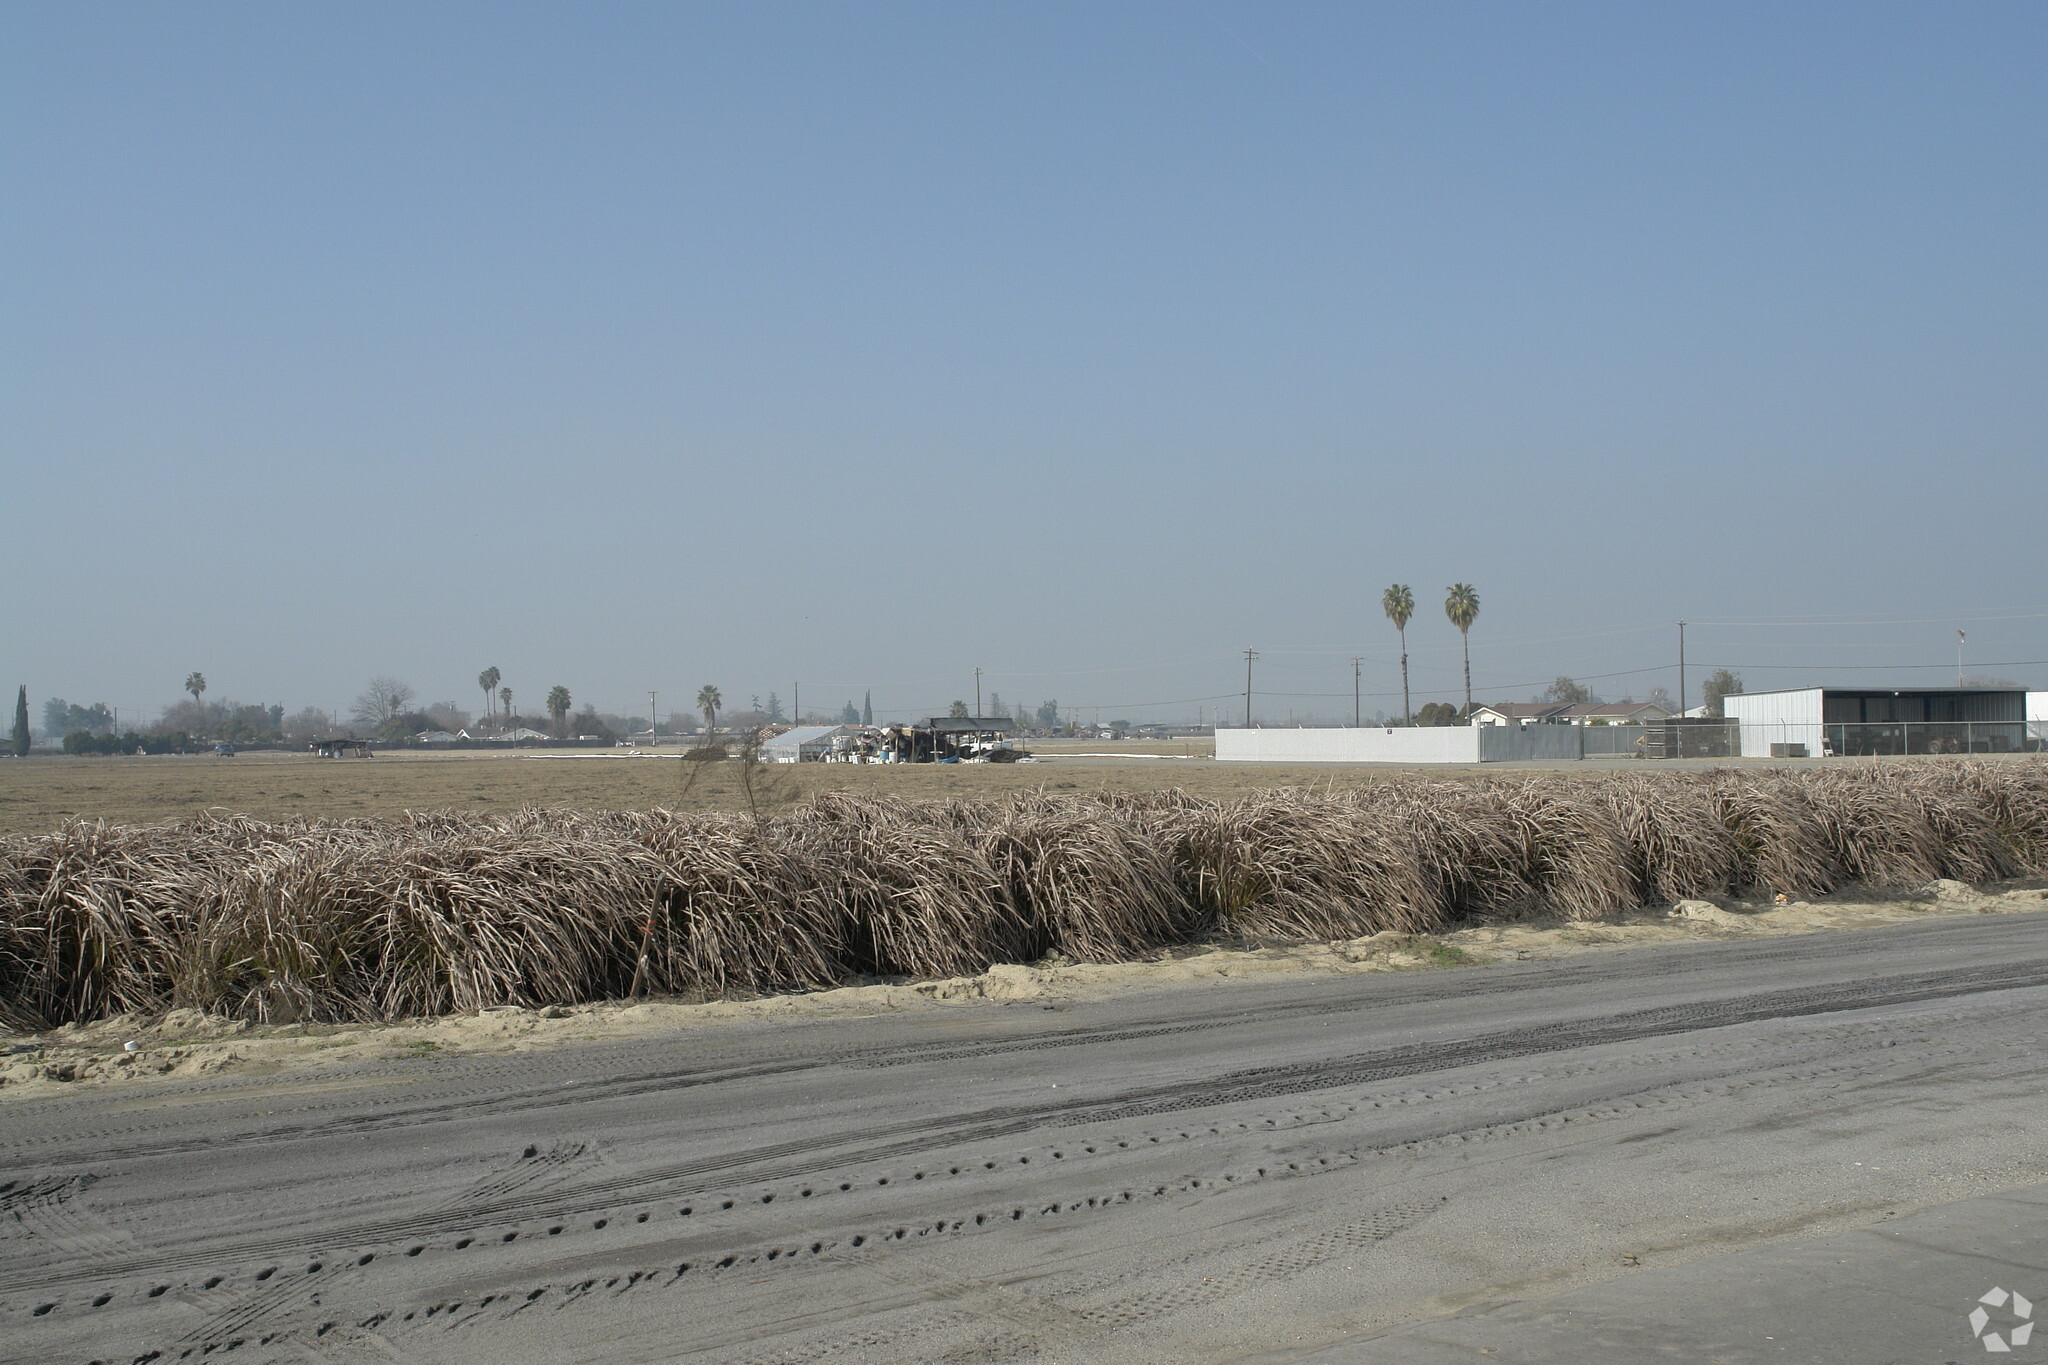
708 701
1462 606
1399 605
488 681
558 706
505 696
195 683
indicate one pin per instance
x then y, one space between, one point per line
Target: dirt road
1164 1175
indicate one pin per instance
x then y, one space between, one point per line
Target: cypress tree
21 722
867 708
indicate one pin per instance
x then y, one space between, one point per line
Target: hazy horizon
640 347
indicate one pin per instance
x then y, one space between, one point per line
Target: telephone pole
1960 637
652 725
1249 655
977 693
796 703
1681 670
1355 661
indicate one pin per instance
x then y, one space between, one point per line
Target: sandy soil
186 1044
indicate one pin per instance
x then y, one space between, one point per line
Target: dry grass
422 914
41 792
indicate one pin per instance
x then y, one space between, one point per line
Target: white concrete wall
1777 718
1422 744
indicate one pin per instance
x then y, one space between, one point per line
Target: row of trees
387 706
1461 607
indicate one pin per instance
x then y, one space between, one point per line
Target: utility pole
977 692
1960 637
1355 661
652 726
1249 655
796 703
1681 670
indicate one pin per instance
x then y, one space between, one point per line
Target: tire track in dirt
802 1158
299 1289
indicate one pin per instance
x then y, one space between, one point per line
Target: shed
804 744
1874 720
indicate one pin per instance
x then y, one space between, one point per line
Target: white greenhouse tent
804 744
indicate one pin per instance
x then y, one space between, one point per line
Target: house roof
970 725
1525 710
1558 710
801 735
1611 708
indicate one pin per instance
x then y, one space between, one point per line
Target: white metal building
2037 716
804 744
1373 744
1817 721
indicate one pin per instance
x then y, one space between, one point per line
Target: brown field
39 793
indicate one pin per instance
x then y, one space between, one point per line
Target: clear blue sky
632 346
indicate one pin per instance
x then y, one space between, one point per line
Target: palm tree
1462 606
488 681
1399 605
558 706
708 701
195 683
505 696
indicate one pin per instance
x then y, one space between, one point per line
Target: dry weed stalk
440 910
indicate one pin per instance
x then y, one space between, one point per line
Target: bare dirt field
38 793
41 792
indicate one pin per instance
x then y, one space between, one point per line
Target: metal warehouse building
1813 721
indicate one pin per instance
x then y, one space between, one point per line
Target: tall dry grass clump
1675 839
442 911
913 894
1294 865
1095 883
729 910
1471 859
